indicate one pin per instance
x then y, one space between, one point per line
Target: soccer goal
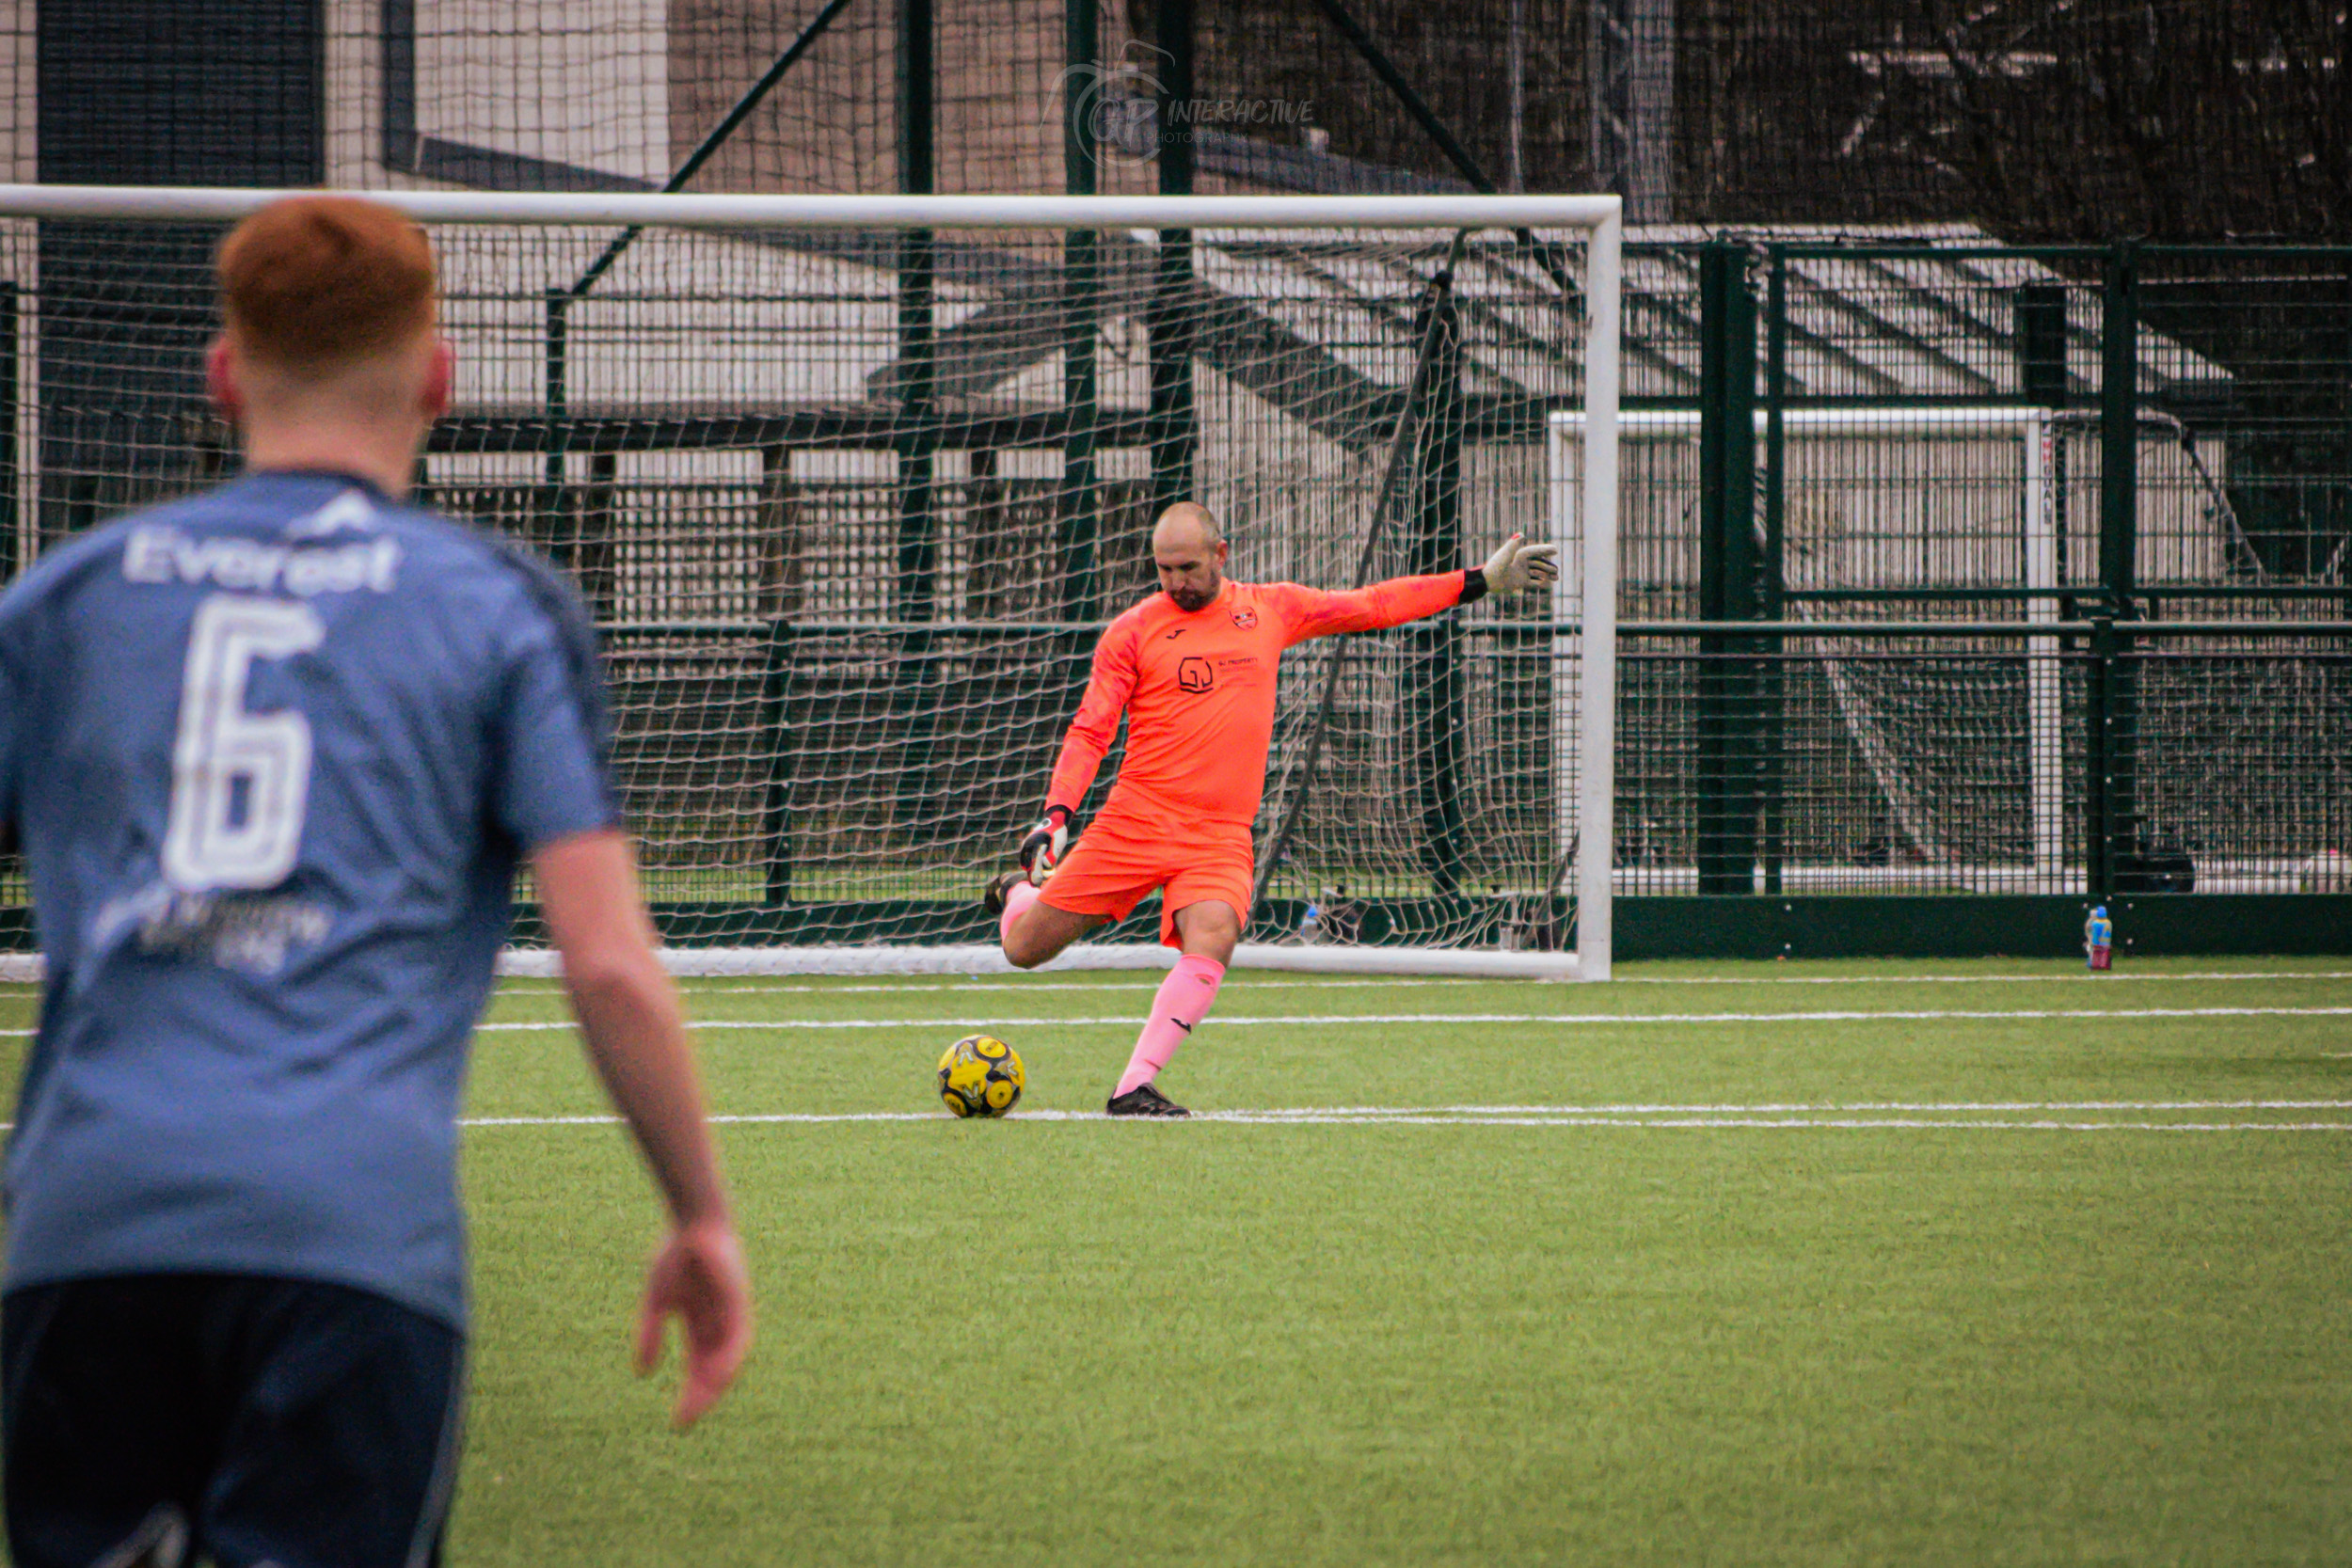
1959 742
851 485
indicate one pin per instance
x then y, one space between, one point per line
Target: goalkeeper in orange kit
1192 669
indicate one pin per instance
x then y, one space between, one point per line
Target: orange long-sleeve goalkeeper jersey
1198 689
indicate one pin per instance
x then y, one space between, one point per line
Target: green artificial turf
1672 1338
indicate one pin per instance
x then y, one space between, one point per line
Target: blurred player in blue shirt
273 755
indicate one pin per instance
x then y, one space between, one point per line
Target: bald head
1189 552
1187 525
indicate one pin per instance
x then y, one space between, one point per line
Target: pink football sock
1183 1003
1018 898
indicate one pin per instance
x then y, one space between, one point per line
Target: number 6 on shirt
219 743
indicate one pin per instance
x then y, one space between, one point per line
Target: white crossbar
220 204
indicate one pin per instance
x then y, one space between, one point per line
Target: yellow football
980 1076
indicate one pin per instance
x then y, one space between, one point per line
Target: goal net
1921 716
851 485
1903 759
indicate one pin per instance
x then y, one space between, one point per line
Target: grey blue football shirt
271 754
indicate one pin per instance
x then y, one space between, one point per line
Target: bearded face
1190 560
1189 597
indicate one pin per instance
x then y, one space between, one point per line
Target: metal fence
1948 568
2089 757
2021 571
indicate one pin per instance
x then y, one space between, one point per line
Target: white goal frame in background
2030 430
1586 809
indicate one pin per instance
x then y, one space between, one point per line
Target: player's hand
1519 564
698 1277
1043 849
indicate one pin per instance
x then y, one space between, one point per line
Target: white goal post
1871 494
1367 385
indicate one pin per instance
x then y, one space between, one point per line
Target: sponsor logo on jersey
1195 676
157 552
1173 635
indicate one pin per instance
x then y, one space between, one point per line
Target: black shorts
253 1420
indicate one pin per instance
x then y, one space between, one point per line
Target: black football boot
1144 1100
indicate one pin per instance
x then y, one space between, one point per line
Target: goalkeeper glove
1518 564
1043 849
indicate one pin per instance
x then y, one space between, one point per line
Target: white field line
1245 982
1805 1108
1015 985
1252 983
1838 1123
1294 1019
1294 1113
1761 1116
2066 978
1859 1113
1247 1118
1003 985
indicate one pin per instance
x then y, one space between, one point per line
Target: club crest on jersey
1195 676
1246 618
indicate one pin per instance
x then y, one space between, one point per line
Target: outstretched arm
1097 724
1518 564
1320 612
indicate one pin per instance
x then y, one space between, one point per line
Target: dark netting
2033 120
1934 429
1863 763
2239 752
727 456
850 508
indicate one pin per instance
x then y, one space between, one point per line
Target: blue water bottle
2098 938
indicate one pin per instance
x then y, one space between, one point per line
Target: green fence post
9 516
913 693
2098 822
1435 700
1772 719
2119 549
1727 750
596 527
2039 311
1081 494
775 700
553 536
1174 433
2118 430
779 601
1081 518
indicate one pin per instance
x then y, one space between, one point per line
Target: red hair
314 283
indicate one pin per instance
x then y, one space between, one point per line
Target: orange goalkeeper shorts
1120 859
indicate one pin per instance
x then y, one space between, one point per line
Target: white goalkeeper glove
1043 849
1519 564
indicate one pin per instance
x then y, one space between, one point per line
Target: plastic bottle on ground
2099 939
